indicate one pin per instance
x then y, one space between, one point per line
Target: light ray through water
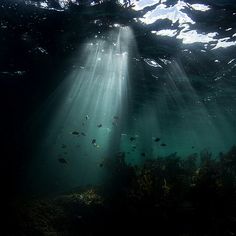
178 116
93 116
86 124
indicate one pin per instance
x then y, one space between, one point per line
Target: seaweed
167 195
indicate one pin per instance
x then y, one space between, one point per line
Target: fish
99 126
163 145
75 133
94 141
63 146
143 154
132 139
62 160
82 133
86 117
157 139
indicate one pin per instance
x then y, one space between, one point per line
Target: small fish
63 146
75 133
99 126
101 164
82 133
157 139
163 145
94 141
132 139
86 117
143 154
62 160
193 147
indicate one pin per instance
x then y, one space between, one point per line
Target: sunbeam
176 119
88 111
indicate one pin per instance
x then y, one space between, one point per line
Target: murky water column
88 112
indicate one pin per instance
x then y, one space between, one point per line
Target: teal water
113 100
143 82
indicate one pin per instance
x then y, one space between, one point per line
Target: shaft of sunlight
87 110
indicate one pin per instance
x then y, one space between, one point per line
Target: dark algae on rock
168 196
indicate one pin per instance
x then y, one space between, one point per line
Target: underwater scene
118 117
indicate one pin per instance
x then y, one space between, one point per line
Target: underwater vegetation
165 196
